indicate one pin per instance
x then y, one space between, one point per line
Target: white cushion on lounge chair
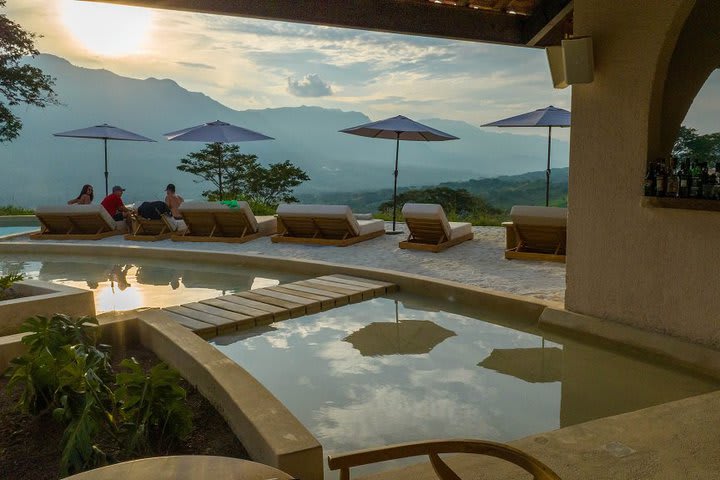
458 229
534 215
220 207
370 226
428 211
294 210
75 209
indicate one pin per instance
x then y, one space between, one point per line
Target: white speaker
571 62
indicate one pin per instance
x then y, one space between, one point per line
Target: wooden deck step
228 313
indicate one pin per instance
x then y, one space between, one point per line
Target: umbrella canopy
399 128
405 337
534 365
104 132
543 117
216 132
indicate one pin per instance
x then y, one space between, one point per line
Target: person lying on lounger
85 198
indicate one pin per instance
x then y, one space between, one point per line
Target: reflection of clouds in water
343 359
470 379
384 414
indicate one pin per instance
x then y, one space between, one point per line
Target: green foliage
19 83
6 281
152 406
459 205
273 184
13 210
690 145
65 371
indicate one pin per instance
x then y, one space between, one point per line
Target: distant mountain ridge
39 168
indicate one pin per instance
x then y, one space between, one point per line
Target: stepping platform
243 310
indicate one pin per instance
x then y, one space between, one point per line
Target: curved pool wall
12 226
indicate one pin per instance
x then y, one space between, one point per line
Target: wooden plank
234 317
379 287
325 302
278 313
257 315
295 309
353 296
223 324
365 293
311 306
339 299
203 329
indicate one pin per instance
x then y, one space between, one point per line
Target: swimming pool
12 230
399 369
126 283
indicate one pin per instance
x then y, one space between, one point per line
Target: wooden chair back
426 231
230 223
315 227
76 223
540 238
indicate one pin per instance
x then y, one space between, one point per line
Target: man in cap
115 207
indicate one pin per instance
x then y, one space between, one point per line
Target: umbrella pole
106 171
547 172
397 150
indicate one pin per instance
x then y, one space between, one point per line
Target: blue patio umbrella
399 128
543 117
104 132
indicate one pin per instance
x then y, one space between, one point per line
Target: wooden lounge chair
433 449
151 230
76 222
324 225
430 230
536 233
217 222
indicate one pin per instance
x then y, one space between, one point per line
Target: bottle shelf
681 203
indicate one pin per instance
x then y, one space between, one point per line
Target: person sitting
115 207
173 201
85 198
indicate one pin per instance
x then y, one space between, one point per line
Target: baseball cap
118 187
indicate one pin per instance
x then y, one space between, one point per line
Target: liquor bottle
660 177
673 179
650 180
684 174
695 180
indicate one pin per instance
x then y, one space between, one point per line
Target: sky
254 64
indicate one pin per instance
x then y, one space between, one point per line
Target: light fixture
571 62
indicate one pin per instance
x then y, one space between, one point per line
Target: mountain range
40 168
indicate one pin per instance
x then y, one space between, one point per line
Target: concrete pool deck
479 262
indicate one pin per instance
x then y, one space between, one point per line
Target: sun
109 30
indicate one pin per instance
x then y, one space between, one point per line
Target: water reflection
534 365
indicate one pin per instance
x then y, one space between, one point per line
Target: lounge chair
536 233
430 230
76 222
217 222
324 225
151 230
433 448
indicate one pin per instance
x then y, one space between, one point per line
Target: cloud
196 65
310 86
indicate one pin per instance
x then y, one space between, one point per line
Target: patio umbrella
104 132
402 337
399 128
543 117
534 365
216 132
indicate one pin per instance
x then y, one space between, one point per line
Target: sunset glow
107 30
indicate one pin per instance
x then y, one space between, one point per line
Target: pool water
396 369
13 230
125 283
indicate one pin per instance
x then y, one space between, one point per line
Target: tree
275 183
458 201
19 83
221 164
690 146
237 175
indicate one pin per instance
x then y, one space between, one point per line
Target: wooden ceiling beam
413 18
544 26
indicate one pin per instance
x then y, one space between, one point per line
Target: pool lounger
76 222
536 233
217 222
151 230
324 225
430 230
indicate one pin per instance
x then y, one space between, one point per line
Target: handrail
433 448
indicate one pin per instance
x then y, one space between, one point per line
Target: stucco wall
652 268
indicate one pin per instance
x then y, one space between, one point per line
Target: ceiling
531 23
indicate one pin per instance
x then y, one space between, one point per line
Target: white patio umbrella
104 132
399 128
543 117
215 132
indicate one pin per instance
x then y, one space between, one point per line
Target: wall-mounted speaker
571 62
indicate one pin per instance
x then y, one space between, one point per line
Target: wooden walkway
239 311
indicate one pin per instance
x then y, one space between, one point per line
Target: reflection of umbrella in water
402 337
151 275
217 280
534 365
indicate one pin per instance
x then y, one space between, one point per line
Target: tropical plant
20 83
14 210
152 406
273 184
690 145
6 281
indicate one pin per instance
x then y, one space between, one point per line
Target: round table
185 467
